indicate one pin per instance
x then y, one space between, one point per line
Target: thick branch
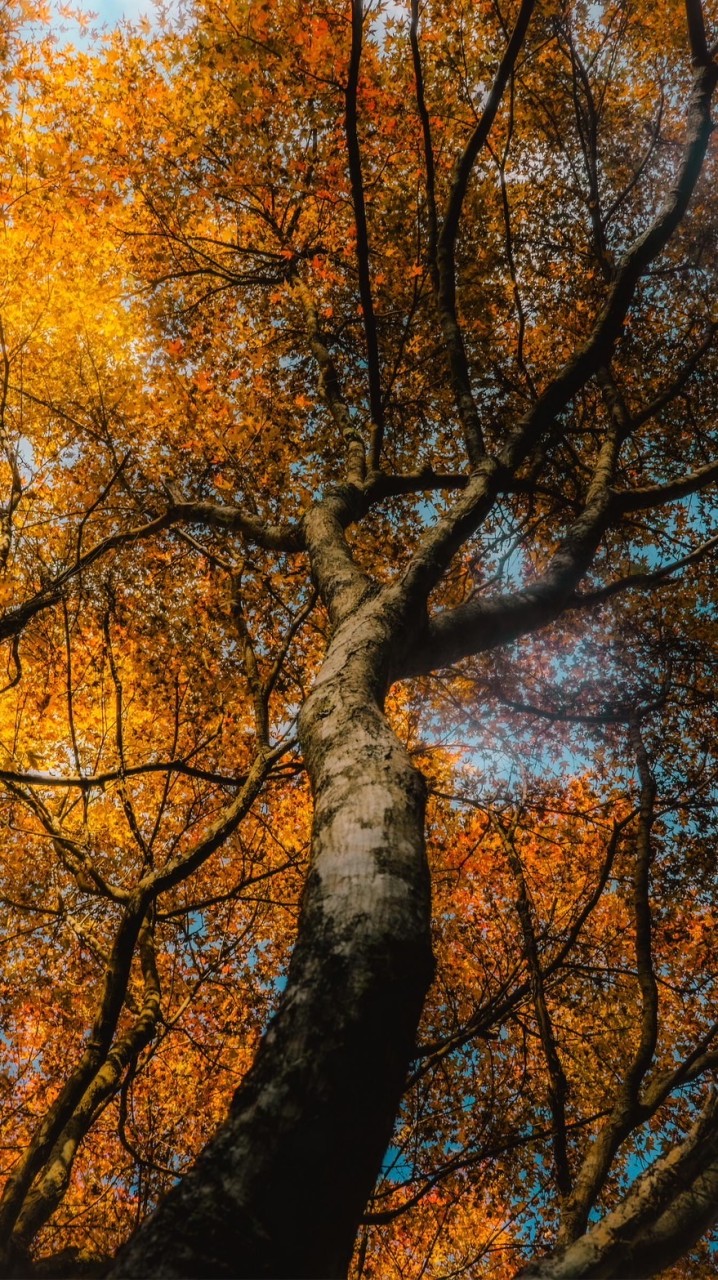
216 515
59 1113
340 581
44 1198
156 881
426 135
480 624
657 495
360 219
642 918
697 33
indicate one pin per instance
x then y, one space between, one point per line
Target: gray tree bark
281 1189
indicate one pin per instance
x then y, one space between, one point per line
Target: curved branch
657 495
642 581
596 351
213 514
45 1196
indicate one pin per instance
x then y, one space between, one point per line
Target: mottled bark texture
281 1189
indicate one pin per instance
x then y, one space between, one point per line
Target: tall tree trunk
280 1190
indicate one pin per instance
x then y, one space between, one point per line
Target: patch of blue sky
388 11
396 1166
197 924
110 12
274 984
105 15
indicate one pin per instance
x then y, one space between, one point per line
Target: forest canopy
358 536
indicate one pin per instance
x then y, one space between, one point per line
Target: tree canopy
358 532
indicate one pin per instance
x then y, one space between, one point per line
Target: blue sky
109 13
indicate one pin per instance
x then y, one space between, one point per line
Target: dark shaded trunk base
300 1144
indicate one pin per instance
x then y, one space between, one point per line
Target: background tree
358 458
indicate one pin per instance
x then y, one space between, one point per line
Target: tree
358 445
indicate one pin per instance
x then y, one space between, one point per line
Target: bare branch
658 495
596 351
331 392
88 782
557 1083
360 219
642 581
446 244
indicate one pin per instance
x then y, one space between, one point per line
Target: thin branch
249 661
125 800
428 145
628 1111
557 1082
99 781
331 392
642 581
446 244
596 351
678 383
